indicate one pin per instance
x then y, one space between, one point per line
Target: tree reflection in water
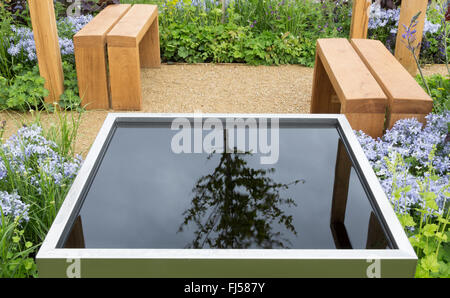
236 207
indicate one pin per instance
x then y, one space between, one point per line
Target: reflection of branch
244 202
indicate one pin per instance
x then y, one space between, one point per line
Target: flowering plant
33 170
414 144
412 163
23 45
383 25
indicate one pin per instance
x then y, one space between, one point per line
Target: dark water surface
146 196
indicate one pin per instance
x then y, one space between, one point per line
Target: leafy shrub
24 93
6 61
70 100
427 224
254 32
440 91
231 43
15 251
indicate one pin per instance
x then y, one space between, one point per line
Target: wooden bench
90 57
406 98
132 43
343 84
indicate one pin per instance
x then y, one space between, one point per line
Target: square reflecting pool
187 195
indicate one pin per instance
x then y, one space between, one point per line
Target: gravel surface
207 88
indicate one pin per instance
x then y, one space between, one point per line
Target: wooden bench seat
406 98
90 56
343 84
132 43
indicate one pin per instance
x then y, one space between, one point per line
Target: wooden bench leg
394 117
125 78
371 123
340 195
149 47
92 77
322 91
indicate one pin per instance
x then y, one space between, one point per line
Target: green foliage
231 43
440 91
15 251
25 92
64 131
6 61
253 32
70 100
426 227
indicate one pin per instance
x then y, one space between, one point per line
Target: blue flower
10 204
29 146
23 38
413 143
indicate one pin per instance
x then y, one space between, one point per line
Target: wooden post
47 47
407 11
360 18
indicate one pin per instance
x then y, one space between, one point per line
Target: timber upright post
48 52
360 18
408 10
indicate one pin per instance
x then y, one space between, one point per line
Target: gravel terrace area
206 88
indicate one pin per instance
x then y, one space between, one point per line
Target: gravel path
207 88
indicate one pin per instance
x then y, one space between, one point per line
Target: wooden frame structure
48 52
